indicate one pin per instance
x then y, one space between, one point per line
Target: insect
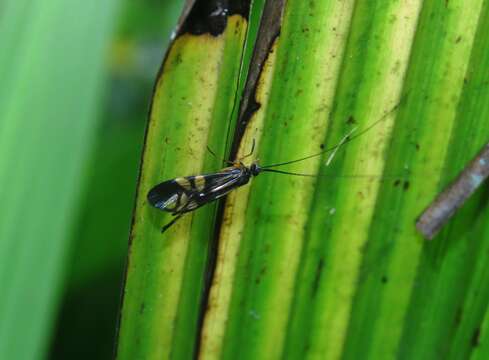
184 194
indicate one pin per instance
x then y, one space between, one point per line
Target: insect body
184 194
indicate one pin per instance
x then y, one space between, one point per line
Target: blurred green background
76 82
88 315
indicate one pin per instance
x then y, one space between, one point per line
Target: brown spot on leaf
351 120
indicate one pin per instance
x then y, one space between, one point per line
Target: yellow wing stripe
199 182
184 183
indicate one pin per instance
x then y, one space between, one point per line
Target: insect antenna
287 172
345 140
384 177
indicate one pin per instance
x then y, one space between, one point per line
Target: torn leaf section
192 103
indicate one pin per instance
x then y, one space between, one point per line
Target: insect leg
164 228
214 154
251 151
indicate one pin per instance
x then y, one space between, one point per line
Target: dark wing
165 195
185 194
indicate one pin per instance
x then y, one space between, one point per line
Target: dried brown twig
455 195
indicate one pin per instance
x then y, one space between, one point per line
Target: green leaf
192 104
332 267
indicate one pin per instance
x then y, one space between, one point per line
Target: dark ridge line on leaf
317 277
211 16
268 32
208 276
260 55
476 334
